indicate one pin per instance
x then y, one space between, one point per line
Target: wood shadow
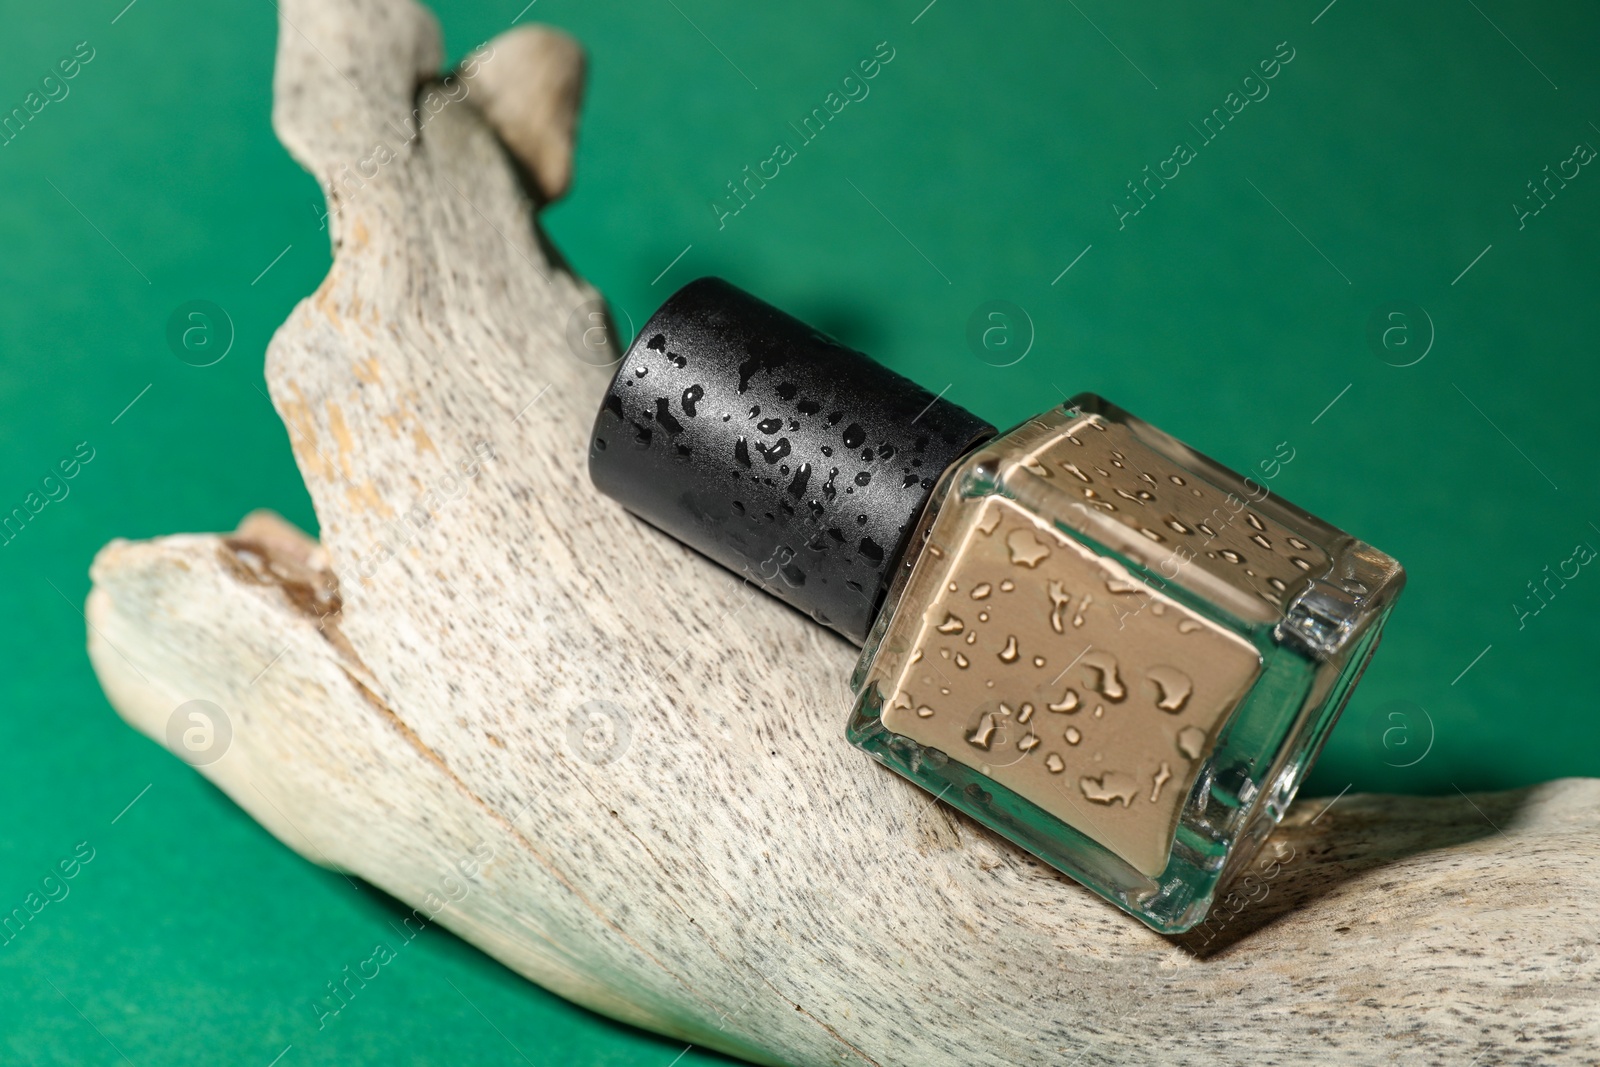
1320 846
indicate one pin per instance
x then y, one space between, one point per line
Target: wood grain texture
621 772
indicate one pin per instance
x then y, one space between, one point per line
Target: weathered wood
491 693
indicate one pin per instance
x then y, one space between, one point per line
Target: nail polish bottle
1101 644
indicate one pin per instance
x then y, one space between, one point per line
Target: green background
1231 311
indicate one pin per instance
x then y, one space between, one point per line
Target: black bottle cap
773 449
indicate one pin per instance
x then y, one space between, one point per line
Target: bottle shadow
1321 846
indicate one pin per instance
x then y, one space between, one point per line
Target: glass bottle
1108 648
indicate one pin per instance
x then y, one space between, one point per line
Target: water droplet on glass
1110 787
1107 681
982 736
1172 687
1068 702
1162 777
1059 598
1026 551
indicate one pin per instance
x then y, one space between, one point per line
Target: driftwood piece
621 772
